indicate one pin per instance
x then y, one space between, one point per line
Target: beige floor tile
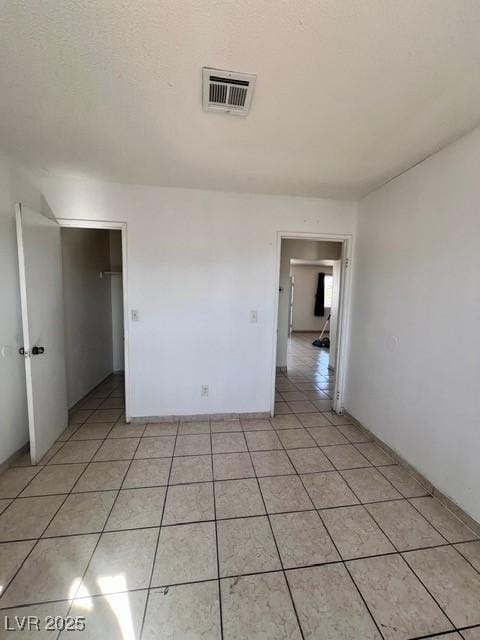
156 447
105 415
374 454
68 432
313 420
193 445
325 436
345 456
271 463
336 419
296 438
190 469
161 429
102 476
124 430
293 396
56 446
258 607
282 408
451 528
186 553
398 601
262 441
137 508
12 554
471 634
302 406
354 434
302 539
54 479
405 527
115 616
40 611
403 481
27 517
452 582
183 612
229 466
328 490
95 431
256 425
147 473
323 405
246 545
311 460
228 442
71 452
51 570
112 402
15 479
225 426
79 416
286 422
369 485
189 503
122 560
238 498
117 449
194 428
90 404
4 504
284 493
471 551
82 513
355 533
329 606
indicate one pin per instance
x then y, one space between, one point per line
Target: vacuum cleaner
322 341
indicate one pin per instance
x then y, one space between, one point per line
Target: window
328 291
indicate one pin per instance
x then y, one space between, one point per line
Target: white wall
88 309
305 289
16 184
300 250
414 374
198 263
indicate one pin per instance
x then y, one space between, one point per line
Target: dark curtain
320 297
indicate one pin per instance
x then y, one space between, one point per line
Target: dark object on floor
322 340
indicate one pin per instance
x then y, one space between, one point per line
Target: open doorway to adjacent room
312 301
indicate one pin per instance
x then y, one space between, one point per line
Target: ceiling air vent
227 91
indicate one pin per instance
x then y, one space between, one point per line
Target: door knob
36 351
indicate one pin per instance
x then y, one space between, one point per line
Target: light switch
254 316
134 315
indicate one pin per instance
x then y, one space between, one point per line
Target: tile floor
295 527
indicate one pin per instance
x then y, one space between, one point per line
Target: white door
41 292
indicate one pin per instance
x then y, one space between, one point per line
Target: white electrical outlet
204 390
254 316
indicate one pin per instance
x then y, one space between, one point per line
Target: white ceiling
349 92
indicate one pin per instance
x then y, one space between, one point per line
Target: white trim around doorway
122 226
344 308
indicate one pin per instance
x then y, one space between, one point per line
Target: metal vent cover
227 91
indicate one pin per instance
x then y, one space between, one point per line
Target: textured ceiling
349 92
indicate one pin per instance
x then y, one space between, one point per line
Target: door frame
122 226
344 311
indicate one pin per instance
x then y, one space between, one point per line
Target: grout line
219 583
276 546
158 540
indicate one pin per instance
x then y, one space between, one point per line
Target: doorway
93 318
72 342
318 266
